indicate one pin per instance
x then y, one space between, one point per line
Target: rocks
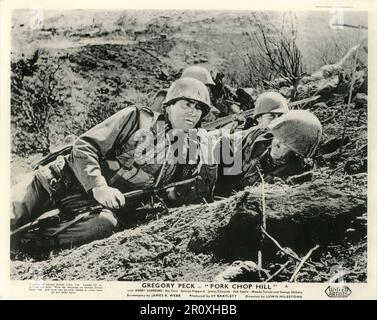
361 100
320 105
354 166
240 271
333 144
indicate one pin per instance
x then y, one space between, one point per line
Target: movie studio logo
337 287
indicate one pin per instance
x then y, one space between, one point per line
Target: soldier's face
265 119
184 114
279 151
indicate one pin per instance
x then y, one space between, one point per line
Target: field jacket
105 156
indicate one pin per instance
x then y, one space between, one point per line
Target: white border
19 289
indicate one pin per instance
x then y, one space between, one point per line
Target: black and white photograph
189 145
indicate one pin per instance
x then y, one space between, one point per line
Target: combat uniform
103 156
299 130
258 162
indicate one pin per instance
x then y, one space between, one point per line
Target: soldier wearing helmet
187 102
200 73
195 72
268 106
284 150
101 166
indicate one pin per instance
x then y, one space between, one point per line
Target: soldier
332 80
200 73
196 72
268 106
286 149
294 139
102 165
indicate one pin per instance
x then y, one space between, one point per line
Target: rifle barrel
227 119
349 26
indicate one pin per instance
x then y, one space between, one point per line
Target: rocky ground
113 66
198 242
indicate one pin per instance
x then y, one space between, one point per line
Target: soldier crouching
101 167
285 149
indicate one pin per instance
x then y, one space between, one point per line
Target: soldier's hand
172 194
109 197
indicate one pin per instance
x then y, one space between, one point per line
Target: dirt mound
197 242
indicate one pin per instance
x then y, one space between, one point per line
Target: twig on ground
339 275
278 271
147 52
296 178
294 256
264 220
329 118
362 147
307 256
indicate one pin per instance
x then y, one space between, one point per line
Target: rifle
303 102
51 216
132 198
218 123
242 116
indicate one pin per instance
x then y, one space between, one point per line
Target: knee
106 222
28 200
23 200
95 227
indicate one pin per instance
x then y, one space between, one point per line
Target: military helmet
189 89
299 130
198 73
270 102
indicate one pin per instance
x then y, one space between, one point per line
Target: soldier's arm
198 191
250 178
253 167
96 143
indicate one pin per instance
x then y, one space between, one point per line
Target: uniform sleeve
252 167
206 186
202 188
97 142
251 177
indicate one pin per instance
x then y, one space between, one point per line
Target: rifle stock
42 219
